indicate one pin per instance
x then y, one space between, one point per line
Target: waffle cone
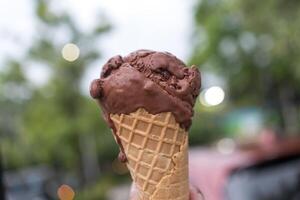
156 151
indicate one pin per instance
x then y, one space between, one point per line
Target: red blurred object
210 170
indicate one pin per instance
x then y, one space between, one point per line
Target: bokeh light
70 52
212 96
65 192
226 146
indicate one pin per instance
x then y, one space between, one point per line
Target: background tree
55 124
60 122
255 47
15 92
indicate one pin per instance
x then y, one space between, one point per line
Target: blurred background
52 132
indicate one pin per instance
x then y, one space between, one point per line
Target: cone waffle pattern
156 150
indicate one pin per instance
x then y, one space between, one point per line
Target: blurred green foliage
207 125
255 46
55 123
14 94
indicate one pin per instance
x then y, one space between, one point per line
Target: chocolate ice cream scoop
155 81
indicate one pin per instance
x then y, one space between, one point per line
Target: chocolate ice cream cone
147 99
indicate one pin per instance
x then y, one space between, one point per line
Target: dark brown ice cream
155 81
